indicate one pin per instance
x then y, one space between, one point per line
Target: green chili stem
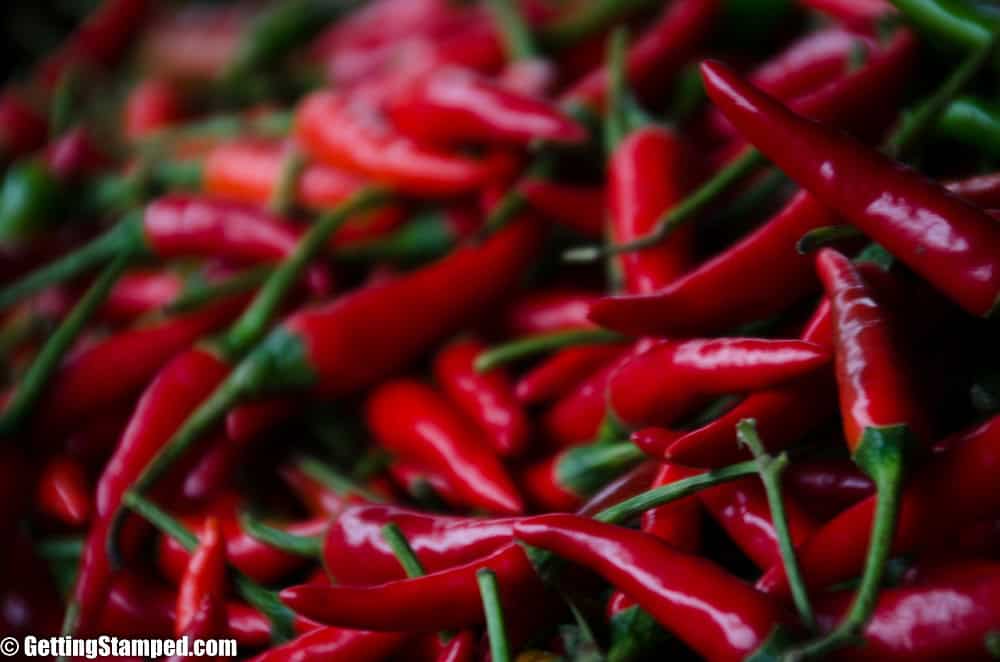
60 549
616 120
992 643
326 476
517 35
198 296
589 19
400 546
539 344
125 237
954 22
828 234
586 469
31 386
490 591
694 204
308 546
915 127
640 503
284 197
253 323
265 600
880 455
973 123
770 470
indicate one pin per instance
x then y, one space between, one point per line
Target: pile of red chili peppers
528 330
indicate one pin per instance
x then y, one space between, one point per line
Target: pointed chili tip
295 597
655 442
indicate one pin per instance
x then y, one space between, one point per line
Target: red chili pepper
135 606
416 480
411 420
318 498
346 133
22 129
714 613
337 644
448 599
635 481
355 551
956 488
860 14
487 399
579 208
647 177
152 105
141 291
259 561
450 105
200 599
952 244
565 480
645 389
677 523
981 190
549 310
63 491
658 54
827 487
945 618
558 374
194 43
461 647
246 422
74 155
741 508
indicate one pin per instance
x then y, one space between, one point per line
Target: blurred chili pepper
411 420
981 190
558 374
336 643
22 129
965 267
859 14
141 291
579 208
678 523
201 611
549 310
63 491
688 595
487 399
152 105
562 482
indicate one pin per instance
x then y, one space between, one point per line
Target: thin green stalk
323 474
529 346
489 589
952 21
616 120
974 123
284 197
588 19
828 234
198 296
631 508
308 546
31 386
263 599
126 236
770 470
400 546
517 36
60 549
691 206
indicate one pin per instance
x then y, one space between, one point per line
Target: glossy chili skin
350 135
648 175
860 14
827 487
257 560
549 310
944 618
63 491
957 487
981 190
742 509
462 647
355 551
102 375
660 52
579 208
413 421
947 241
486 398
677 523
140 292
714 613
201 605
874 392
152 105
448 599
644 390
451 105
546 489
329 643
561 372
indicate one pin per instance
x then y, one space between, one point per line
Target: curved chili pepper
565 480
624 487
487 399
716 614
678 523
660 52
200 607
141 291
945 618
335 643
549 310
827 487
644 390
259 561
450 105
356 553
647 177
412 420
556 375
462 647
981 190
579 208
152 105
953 245
347 134
448 599
956 488
63 491
22 130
